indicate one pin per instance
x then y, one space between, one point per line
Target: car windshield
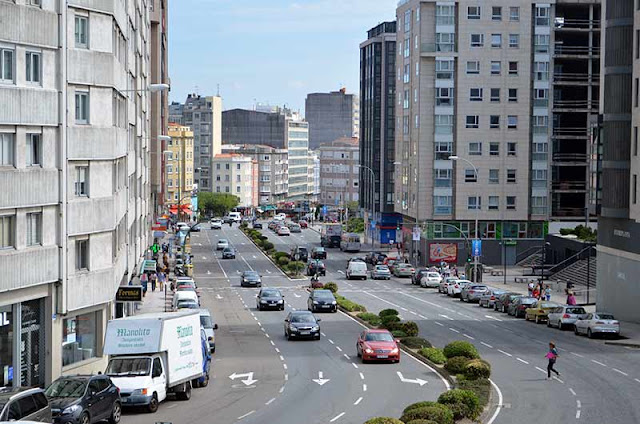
251 275
187 303
548 305
66 388
119 367
185 288
381 268
222 241
379 337
575 311
323 294
528 300
605 316
271 293
302 250
303 318
478 287
319 249
205 321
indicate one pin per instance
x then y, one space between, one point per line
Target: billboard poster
439 252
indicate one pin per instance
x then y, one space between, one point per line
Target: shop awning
269 208
148 266
183 208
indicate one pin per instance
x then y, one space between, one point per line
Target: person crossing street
552 356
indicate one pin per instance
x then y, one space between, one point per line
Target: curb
271 260
625 344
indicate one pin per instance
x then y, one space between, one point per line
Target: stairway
535 259
577 272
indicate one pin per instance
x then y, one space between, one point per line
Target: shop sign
129 294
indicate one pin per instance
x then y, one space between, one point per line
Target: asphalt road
598 383
252 341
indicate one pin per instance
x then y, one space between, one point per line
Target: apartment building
238 175
331 116
179 175
339 171
74 205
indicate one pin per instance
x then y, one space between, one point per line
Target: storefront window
510 229
6 346
79 338
535 230
32 343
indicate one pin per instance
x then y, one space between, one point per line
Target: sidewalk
154 301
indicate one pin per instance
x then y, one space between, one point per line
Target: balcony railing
573 77
558 211
569 185
568 23
438 48
570 131
540 102
569 157
576 50
575 104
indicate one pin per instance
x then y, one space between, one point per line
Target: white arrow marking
248 381
407 380
296 295
218 297
320 380
254 257
341 272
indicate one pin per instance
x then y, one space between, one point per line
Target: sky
268 51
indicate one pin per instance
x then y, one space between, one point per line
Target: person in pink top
552 356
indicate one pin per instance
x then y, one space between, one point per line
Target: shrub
439 413
279 255
390 322
461 348
263 238
369 317
383 420
258 242
456 364
385 312
463 403
477 368
283 260
349 305
398 334
411 328
295 266
267 245
418 405
317 285
421 421
413 342
433 354
481 387
331 286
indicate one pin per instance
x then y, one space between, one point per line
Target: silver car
444 284
472 292
598 323
454 288
380 272
488 299
431 279
565 316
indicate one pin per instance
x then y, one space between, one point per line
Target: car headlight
280 301
71 409
139 392
368 350
263 301
293 328
394 350
315 328
334 303
315 302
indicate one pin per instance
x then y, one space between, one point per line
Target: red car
303 223
377 345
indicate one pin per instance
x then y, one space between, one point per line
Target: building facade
74 207
339 172
179 175
331 116
238 175
300 163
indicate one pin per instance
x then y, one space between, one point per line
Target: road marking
364 387
323 335
256 318
358 401
413 381
637 380
557 379
296 295
444 316
454 330
598 362
255 257
321 380
573 392
281 357
281 389
469 337
346 356
246 415
284 366
522 360
339 348
341 272
439 323
541 370
269 272
499 407
576 354
248 381
621 372
270 401
578 414
286 377
487 345
423 317
204 258
385 301
505 353
354 365
493 318
411 312
361 376
404 309
337 417
268 337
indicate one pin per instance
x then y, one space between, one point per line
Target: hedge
331 286
383 420
433 354
415 342
279 255
456 364
481 387
411 328
477 368
385 312
283 260
461 348
267 245
369 317
463 403
418 405
441 414
389 320
422 422
398 334
349 305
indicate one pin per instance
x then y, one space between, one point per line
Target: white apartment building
297 143
238 175
74 203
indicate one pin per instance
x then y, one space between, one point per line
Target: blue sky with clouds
273 51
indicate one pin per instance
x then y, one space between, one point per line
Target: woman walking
552 355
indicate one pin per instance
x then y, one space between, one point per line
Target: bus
350 242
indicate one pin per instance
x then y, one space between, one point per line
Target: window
7 64
494 176
34 150
226 166
444 124
511 176
445 15
635 141
415 95
417 68
445 41
82 107
407 73
33 61
82 181
496 67
511 148
444 96
473 202
34 229
7 149
513 68
407 47
495 95
442 178
442 205
7 231
494 121
540 124
540 151
237 189
405 100
473 67
542 16
514 14
475 94
443 150
513 94
475 148
496 40
540 97
444 69
418 14
470 176
473 12
494 148
538 205
477 40
417 121
541 43
82 31
512 121
539 178
473 121
511 203
407 20
79 338
405 125
541 71
37 3
494 203
514 41
496 13
226 189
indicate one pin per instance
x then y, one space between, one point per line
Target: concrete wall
618 284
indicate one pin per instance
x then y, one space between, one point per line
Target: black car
417 277
257 226
518 307
23 404
318 253
270 298
375 257
196 228
316 266
228 253
84 399
322 300
301 324
250 279
300 254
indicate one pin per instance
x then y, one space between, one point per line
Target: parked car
404 270
196 228
209 326
444 284
302 324
488 299
472 292
565 316
455 287
322 300
356 269
539 310
380 272
257 226
84 399
303 223
430 279
417 276
222 244
250 279
519 306
316 265
598 323
184 299
284 231
229 253
23 404
377 345
299 253
375 257
270 298
216 224
504 300
295 228
318 253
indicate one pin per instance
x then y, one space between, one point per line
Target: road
252 341
598 382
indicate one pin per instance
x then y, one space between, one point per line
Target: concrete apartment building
179 175
238 175
74 205
339 172
331 116
377 130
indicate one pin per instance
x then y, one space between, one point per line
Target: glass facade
79 338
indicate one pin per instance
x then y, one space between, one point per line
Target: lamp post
151 88
475 170
373 204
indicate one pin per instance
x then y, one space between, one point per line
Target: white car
222 244
431 279
184 297
455 287
284 231
599 322
182 226
216 224
356 269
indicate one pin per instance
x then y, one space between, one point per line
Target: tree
217 204
353 207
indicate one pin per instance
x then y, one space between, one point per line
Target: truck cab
142 380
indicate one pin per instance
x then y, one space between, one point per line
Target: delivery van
356 269
235 216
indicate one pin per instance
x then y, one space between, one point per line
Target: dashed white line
281 389
578 414
341 272
637 380
454 330
246 415
270 401
576 354
522 360
423 317
272 343
541 370
504 353
331 341
346 356
337 417
558 380
354 365
439 323
578 404
267 335
284 366
364 387
339 348
323 335
487 345
404 309
414 313
621 372
281 358
469 337
573 392
598 362
361 376
358 401
444 316
256 318
286 377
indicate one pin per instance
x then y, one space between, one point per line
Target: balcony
560 105
562 23
572 51
575 79
581 158
569 186
434 48
570 133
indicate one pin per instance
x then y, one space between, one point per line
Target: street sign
324 210
476 247
129 294
416 233
373 224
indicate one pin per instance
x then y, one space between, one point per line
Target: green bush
418 405
456 364
283 260
384 420
263 237
385 312
477 368
421 421
279 255
433 354
369 317
461 348
267 245
411 328
439 413
481 387
463 403
331 286
294 267
398 334
390 322
413 342
349 305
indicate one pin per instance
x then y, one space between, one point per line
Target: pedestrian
530 287
536 293
154 278
547 293
571 299
552 356
144 278
161 280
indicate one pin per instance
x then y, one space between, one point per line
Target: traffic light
398 225
469 258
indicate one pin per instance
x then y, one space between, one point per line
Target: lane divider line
576 354
621 372
246 415
354 365
361 376
454 330
598 362
281 389
500 400
337 417
281 357
505 353
331 341
364 387
541 370
439 323
522 360
469 337
487 345
346 356
284 366
270 401
573 392
358 401
339 348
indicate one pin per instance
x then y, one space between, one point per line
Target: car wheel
116 413
575 330
538 321
153 404
358 352
589 333
282 308
318 337
205 382
84 418
549 323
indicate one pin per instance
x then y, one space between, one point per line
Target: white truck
152 355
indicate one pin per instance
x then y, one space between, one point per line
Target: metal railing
576 131
576 50
574 77
567 212
569 157
568 23
529 252
438 48
569 185
570 260
575 104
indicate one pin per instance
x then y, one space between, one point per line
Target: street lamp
373 205
475 170
152 88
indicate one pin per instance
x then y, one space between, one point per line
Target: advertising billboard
439 252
